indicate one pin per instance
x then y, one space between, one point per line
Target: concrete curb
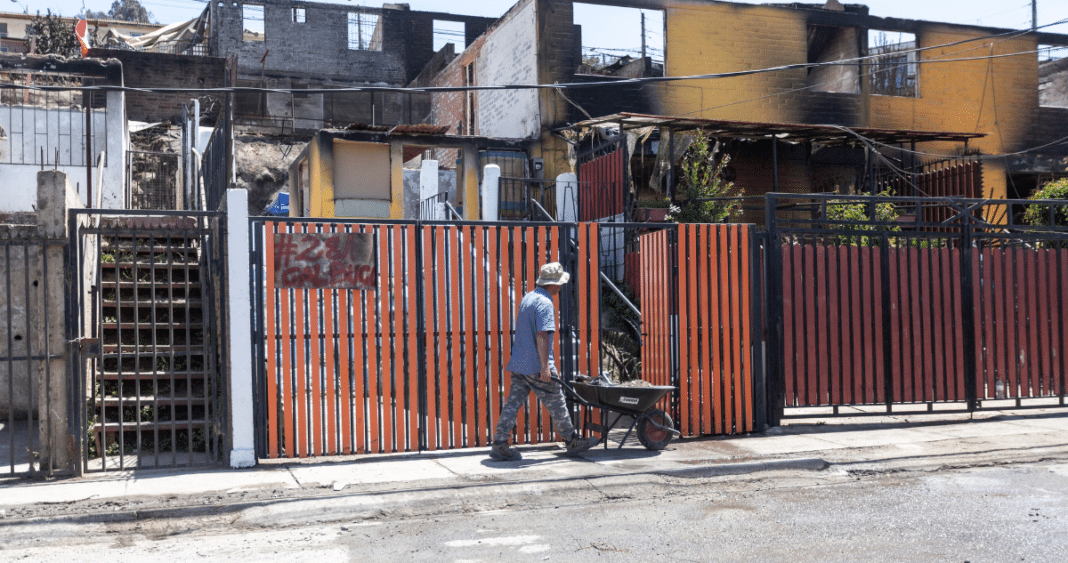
806 464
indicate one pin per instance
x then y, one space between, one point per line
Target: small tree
52 35
1039 215
701 181
125 10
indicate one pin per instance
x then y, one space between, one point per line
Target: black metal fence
27 347
516 195
149 291
152 180
870 309
215 164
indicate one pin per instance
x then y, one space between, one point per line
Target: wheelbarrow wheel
652 437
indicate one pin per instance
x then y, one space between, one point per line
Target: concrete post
428 186
491 192
242 422
567 197
59 446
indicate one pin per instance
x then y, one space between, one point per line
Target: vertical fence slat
329 389
1031 288
372 338
270 334
495 365
475 338
789 330
411 324
745 394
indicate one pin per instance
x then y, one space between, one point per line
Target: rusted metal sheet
325 260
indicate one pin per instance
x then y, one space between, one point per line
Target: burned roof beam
110 69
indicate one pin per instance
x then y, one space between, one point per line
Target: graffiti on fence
325 260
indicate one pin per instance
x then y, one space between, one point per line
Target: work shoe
504 452
577 444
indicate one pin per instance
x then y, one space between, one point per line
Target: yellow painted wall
714 38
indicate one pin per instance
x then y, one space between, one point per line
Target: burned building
307 45
841 67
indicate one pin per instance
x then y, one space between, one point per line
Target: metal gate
701 330
414 361
148 298
152 180
958 312
29 343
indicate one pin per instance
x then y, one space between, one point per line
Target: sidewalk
860 443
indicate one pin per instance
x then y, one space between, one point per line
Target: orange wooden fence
350 371
708 304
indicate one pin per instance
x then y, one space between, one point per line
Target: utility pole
643 35
1034 15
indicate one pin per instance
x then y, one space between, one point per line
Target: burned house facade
885 74
307 45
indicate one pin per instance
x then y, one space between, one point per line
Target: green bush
1038 215
859 212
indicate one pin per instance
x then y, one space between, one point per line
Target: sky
614 31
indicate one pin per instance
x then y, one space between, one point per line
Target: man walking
532 365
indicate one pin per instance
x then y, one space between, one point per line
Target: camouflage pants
550 394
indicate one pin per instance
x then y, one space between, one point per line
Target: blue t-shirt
536 314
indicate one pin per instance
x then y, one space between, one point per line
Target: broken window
1053 76
634 48
363 32
469 101
252 22
446 32
299 15
892 63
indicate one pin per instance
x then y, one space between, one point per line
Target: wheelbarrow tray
630 400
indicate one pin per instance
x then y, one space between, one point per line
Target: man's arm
545 340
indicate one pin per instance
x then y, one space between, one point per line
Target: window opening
828 44
299 15
446 32
892 66
3 30
252 22
1053 76
615 40
364 34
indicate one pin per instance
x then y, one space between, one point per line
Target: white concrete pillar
428 187
491 192
242 420
567 198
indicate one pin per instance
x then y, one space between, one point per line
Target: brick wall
153 70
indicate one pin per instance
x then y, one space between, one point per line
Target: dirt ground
263 167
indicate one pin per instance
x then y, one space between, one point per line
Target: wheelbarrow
654 426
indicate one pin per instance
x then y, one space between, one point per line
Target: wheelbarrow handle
571 390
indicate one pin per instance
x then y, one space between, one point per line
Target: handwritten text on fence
325 260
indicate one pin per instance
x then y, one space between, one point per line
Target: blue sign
279 207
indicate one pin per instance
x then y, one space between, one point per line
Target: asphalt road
995 513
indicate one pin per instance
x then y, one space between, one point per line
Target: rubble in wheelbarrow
605 380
